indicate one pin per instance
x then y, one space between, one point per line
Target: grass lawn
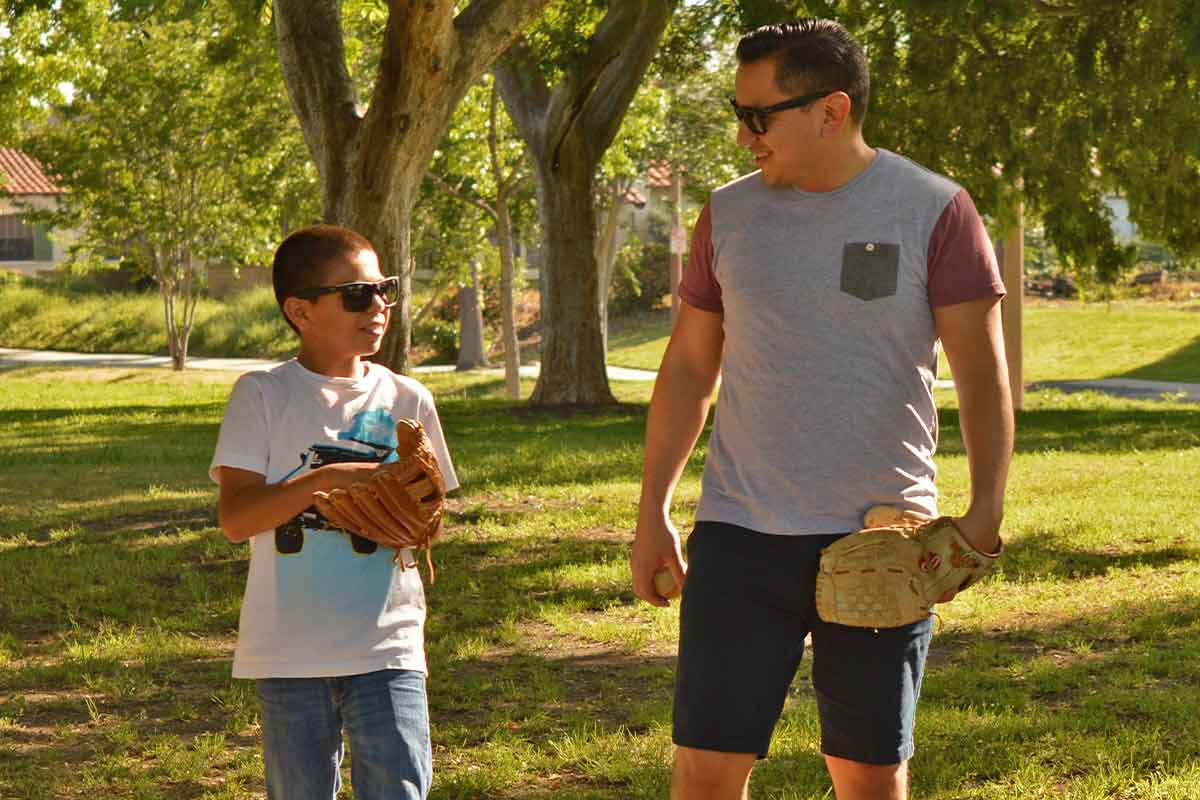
1073 672
1063 341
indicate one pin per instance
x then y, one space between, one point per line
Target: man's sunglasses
755 117
358 296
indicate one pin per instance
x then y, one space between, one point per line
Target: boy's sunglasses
358 296
755 117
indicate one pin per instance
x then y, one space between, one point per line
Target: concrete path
1126 387
9 357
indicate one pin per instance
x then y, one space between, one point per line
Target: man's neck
847 161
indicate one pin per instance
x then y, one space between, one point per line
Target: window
16 239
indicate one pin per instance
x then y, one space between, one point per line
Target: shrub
641 277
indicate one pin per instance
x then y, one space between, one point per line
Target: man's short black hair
307 255
812 55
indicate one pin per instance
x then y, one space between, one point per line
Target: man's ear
297 311
837 114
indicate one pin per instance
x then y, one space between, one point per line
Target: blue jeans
386 719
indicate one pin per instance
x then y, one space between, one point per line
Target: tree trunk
387 228
508 325
471 353
573 363
606 250
567 131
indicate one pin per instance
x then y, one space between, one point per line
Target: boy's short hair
812 55
307 255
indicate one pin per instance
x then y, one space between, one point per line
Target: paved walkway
9 357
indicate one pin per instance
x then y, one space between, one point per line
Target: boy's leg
742 623
302 740
387 723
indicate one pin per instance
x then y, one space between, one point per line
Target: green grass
1072 672
1065 341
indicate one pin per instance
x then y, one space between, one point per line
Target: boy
330 629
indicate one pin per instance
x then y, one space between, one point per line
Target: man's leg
709 775
867 683
854 780
742 623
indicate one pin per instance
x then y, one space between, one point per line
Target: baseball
664 584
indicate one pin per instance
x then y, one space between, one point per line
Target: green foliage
641 278
1058 107
176 146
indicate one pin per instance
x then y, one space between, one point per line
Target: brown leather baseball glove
401 504
891 576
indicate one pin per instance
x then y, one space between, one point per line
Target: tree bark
371 162
573 363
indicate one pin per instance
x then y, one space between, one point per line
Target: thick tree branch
605 107
524 92
313 59
614 32
485 30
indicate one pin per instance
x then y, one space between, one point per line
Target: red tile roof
21 175
659 175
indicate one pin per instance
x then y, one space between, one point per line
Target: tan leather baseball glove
890 576
401 504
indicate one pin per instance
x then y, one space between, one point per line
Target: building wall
59 241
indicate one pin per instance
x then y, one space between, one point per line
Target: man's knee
856 780
710 775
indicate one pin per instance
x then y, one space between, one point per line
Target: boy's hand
342 476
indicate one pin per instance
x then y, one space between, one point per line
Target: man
818 288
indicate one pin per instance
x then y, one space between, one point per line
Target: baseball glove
891 576
400 505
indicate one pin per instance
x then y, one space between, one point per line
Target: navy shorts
748 602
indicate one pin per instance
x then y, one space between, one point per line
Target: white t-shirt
321 603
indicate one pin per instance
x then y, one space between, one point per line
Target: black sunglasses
358 296
755 117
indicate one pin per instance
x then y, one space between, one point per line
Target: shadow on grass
1100 430
1120 683
1181 365
1041 555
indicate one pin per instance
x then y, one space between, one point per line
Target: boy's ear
297 310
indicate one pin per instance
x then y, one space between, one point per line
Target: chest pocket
870 269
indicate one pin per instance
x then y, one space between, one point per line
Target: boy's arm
248 505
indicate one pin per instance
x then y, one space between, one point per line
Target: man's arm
678 410
248 505
974 343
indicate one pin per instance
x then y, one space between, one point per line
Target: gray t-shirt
826 401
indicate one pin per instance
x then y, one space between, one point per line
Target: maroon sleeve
961 262
699 287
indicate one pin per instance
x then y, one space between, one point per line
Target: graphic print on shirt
373 430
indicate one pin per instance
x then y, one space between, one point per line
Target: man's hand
982 531
655 545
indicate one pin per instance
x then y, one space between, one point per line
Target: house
27 248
